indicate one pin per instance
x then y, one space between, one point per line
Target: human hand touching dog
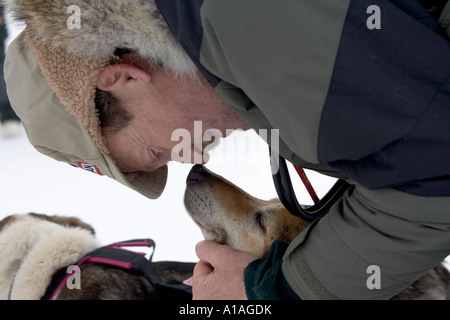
219 275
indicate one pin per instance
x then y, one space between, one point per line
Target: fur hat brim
62 135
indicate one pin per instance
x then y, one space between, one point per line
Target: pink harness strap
56 285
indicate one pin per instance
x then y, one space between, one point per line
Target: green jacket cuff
264 279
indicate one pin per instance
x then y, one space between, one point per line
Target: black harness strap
116 256
140 263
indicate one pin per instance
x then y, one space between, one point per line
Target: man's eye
157 154
154 153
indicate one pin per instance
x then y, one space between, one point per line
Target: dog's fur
229 215
34 246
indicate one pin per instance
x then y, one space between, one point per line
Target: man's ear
118 76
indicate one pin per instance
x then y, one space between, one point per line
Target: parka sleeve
264 279
371 245
401 235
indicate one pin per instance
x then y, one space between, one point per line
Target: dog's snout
198 173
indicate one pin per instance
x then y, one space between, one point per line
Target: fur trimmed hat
52 67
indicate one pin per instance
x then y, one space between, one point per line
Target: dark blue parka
358 89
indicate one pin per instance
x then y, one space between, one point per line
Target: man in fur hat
357 91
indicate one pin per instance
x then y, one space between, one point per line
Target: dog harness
115 255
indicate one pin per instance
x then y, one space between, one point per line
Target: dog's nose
198 173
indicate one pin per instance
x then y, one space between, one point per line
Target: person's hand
219 275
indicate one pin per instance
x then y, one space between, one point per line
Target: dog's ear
65 221
6 221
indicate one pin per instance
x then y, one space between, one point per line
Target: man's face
161 104
140 147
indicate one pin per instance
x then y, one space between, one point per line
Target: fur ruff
71 59
33 249
105 26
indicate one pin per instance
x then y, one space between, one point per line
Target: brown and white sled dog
34 246
229 215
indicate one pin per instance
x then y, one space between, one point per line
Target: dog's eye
260 221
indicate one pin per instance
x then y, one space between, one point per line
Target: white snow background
31 182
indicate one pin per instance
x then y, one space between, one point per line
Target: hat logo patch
89 167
